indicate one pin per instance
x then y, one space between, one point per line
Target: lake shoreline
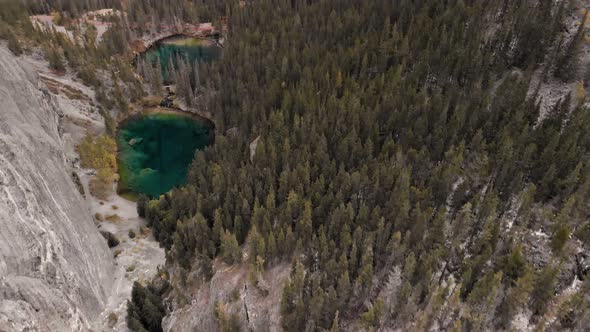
207 42
168 110
150 45
207 121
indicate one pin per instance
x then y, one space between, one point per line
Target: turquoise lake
156 149
190 49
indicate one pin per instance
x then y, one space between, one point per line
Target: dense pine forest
405 158
395 138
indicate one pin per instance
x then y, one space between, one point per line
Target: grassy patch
151 101
144 231
128 195
113 318
57 88
235 294
113 218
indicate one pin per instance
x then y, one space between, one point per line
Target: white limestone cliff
55 268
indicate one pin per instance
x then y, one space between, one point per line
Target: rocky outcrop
253 308
55 267
253 147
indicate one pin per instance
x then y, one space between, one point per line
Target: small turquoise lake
156 149
169 50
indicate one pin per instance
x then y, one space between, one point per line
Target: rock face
55 267
254 308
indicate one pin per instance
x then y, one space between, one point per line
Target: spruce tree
230 250
55 59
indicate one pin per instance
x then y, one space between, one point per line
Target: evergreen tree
292 302
13 44
543 289
230 250
142 205
55 59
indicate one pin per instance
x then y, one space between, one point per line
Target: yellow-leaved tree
99 153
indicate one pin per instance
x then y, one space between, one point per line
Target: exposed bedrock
55 267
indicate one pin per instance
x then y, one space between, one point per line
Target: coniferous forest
396 138
406 166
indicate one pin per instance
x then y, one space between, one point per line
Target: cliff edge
55 267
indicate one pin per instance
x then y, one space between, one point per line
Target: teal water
188 48
155 151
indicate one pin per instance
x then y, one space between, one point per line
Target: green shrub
113 318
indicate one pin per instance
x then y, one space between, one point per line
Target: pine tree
335 323
13 44
142 204
196 79
518 296
527 198
55 59
482 300
217 230
544 289
230 250
343 289
560 237
271 250
365 277
304 224
292 302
